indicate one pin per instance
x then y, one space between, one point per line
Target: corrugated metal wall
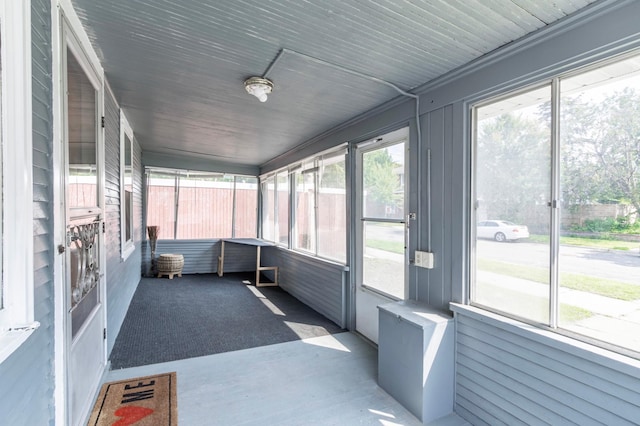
511 378
123 276
26 393
321 285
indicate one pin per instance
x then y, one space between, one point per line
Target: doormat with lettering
143 401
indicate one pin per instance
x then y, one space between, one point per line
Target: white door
381 231
84 265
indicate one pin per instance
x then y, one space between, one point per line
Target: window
332 205
282 219
310 198
304 236
189 204
268 190
245 218
16 210
557 189
126 187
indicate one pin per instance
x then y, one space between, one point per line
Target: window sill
559 341
11 340
313 257
126 251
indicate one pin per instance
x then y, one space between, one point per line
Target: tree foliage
601 149
380 179
599 155
513 151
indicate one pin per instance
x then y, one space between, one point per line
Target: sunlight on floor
328 341
388 423
273 308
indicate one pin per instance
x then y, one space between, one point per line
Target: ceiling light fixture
258 87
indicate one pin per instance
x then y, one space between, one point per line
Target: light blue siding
26 377
507 376
123 276
321 285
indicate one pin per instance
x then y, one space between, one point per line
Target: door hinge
104 333
104 228
102 121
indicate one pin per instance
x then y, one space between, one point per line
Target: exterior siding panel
26 394
505 376
318 283
123 276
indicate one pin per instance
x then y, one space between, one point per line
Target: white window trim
126 246
17 317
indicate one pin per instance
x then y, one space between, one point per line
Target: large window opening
557 190
304 206
198 205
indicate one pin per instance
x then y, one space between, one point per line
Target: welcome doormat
143 401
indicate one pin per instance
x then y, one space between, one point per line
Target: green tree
513 157
380 178
601 149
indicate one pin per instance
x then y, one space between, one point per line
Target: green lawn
391 246
531 307
590 242
589 284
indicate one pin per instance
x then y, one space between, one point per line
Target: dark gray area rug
196 315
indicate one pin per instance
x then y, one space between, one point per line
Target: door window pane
383 257
513 191
383 243
82 135
383 182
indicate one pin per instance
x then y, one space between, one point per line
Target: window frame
17 313
554 81
177 174
127 246
311 164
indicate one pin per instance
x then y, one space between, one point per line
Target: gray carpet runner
196 315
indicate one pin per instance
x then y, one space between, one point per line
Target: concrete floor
328 380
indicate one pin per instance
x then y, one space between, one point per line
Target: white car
501 230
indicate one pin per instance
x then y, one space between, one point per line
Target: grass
602 286
532 307
391 246
589 242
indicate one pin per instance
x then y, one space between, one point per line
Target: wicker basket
170 264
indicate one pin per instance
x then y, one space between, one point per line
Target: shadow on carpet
197 315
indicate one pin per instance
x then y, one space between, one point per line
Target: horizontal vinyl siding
200 256
123 276
317 283
506 377
26 377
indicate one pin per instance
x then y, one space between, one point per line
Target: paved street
617 265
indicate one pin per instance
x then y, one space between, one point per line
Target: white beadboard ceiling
177 67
